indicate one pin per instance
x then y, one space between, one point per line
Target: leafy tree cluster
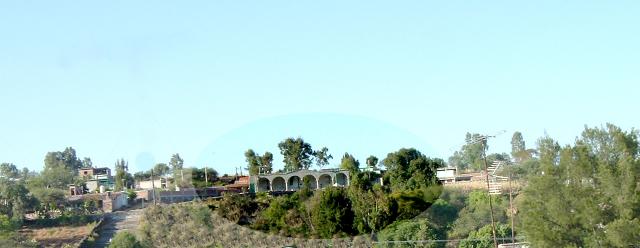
586 194
125 239
123 179
408 230
483 237
469 157
476 214
177 168
365 207
299 154
259 164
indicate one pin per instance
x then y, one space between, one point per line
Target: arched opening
324 181
313 183
263 184
294 183
278 184
341 179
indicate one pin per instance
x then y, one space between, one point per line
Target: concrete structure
108 202
446 175
293 181
94 185
96 177
75 190
112 201
148 184
183 195
94 173
450 175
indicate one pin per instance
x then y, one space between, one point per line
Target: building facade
96 177
293 181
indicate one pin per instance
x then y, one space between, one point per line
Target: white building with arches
293 181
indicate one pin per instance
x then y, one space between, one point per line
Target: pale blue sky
142 80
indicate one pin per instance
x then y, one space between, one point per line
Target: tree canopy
297 154
588 195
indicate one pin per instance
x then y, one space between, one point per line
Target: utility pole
513 214
484 139
486 172
153 188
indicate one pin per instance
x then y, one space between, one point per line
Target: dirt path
116 222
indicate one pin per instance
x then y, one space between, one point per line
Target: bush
131 195
417 229
483 238
331 212
125 240
237 208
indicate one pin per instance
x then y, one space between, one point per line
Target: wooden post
486 171
206 180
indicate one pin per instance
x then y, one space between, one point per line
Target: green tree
25 174
297 154
285 215
258 164
161 169
237 208
549 152
348 162
60 169
408 169
267 162
177 163
322 157
48 197
517 144
588 194
9 171
9 237
253 162
331 212
483 237
476 214
198 177
497 157
417 229
86 162
125 239
121 174
58 177
15 199
470 154
372 161
143 175
66 158
373 209
442 214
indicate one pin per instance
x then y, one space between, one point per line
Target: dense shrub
237 208
331 213
483 237
125 240
408 230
